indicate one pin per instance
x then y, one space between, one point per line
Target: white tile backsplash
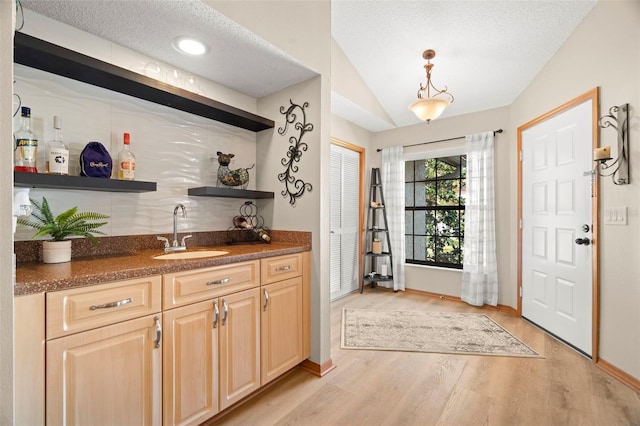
173 148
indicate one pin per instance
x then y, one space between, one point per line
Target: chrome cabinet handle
283 268
112 304
266 299
225 309
222 281
216 315
158 331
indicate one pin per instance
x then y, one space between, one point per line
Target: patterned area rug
417 331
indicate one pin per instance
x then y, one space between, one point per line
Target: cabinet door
190 363
281 328
239 346
111 375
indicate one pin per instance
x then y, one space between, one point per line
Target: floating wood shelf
43 180
45 56
213 191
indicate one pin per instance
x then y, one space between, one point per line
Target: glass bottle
126 161
26 145
262 234
57 151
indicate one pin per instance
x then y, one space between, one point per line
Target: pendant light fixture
429 107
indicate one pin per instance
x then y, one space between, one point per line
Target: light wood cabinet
190 372
281 328
110 375
29 359
211 356
104 354
175 349
239 346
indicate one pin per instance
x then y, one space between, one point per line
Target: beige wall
444 281
346 81
6 200
271 148
603 51
301 29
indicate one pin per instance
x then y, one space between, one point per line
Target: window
434 211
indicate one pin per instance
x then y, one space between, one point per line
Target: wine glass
153 70
174 78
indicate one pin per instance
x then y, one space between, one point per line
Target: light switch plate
615 216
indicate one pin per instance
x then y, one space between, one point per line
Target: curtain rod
441 140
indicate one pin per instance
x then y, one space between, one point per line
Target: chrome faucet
175 246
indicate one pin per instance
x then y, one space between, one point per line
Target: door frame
361 155
594 96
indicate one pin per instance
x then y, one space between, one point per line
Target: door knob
583 241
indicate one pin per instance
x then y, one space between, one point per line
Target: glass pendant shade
429 109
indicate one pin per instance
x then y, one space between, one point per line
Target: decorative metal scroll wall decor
294 188
618 119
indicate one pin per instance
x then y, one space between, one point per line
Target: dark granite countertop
35 277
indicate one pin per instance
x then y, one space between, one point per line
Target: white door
556 224
345 220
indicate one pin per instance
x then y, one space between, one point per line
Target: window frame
460 208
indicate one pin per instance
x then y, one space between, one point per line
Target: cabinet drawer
280 268
185 287
71 311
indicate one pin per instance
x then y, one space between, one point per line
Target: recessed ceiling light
189 45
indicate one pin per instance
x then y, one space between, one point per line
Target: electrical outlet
615 216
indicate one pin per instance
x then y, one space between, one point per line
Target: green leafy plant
65 224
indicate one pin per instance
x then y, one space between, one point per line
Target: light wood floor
403 388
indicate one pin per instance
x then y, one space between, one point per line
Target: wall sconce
618 118
430 107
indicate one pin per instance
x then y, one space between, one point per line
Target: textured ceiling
238 59
486 51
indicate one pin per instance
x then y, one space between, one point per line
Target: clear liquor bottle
57 151
126 161
26 145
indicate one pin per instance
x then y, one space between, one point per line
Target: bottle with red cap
126 161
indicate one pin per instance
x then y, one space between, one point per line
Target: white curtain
392 173
480 270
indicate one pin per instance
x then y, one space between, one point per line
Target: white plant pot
56 251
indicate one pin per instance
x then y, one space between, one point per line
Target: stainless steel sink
190 254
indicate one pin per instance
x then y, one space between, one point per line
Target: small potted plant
68 223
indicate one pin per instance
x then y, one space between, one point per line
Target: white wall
603 51
176 150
